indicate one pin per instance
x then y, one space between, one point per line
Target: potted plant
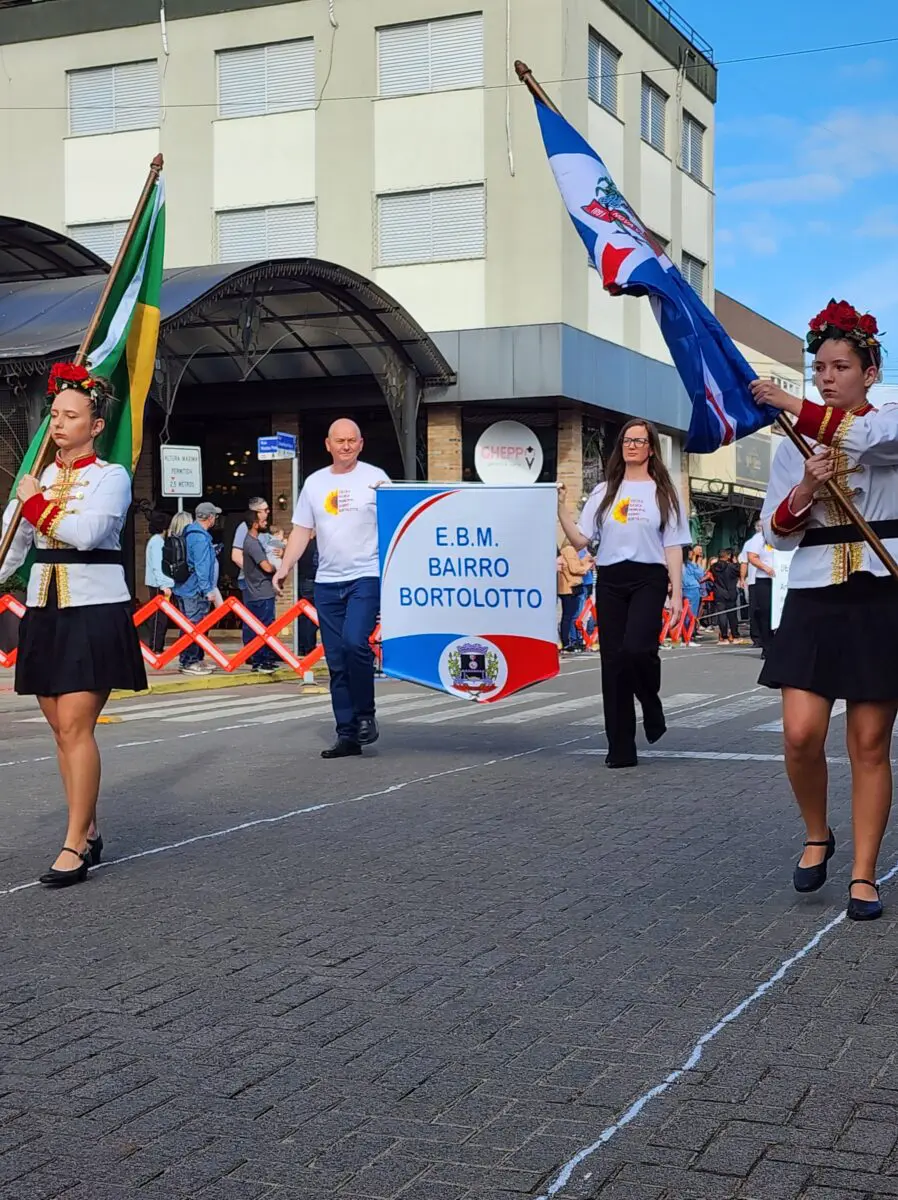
16 587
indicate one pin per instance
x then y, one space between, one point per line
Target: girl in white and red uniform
838 637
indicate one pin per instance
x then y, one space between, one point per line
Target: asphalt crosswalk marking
705 717
672 704
839 709
465 710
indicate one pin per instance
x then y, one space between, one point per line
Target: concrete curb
219 682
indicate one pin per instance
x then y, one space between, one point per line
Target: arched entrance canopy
297 319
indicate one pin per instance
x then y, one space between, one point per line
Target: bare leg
869 745
806 724
76 715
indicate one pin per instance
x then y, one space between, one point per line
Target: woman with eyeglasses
637 519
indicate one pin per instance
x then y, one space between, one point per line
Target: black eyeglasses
628 441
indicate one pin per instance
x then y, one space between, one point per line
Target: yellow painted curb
218 682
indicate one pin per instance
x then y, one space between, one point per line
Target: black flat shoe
616 763
368 731
95 849
342 748
60 879
810 879
864 910
655 730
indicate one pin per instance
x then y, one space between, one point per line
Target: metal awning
279 319
29 251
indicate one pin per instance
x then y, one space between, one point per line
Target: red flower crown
842 318
71 375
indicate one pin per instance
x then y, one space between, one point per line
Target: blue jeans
347 614
262 610
194 609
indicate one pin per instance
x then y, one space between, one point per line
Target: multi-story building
392 139
727 488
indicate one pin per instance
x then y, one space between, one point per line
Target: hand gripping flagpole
44 452
835 490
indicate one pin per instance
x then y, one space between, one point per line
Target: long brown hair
668 500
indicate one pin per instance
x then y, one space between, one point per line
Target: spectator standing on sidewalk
693 575
571 570
637 519
257 504
725 579
258 588
749 574
339 506
307 568
156 581
760 561
195 596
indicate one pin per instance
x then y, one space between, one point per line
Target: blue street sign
286 444
268 447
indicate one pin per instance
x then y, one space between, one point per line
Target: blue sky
806 157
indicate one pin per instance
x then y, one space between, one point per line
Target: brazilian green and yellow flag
123 349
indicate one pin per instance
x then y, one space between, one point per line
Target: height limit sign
182 471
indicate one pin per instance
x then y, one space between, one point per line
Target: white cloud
881 223
858 144
796 189
867 71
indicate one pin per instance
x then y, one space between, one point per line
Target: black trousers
630 606
761 609
308 630
754 631
156 627
727 617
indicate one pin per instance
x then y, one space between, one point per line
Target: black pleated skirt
840 642
92 648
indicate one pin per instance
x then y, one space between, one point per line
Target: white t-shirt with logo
631 530
342 509
757 545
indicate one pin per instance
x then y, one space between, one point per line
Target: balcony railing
684 27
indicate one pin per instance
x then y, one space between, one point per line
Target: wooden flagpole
843 500
44 453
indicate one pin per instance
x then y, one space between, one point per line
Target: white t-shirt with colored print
631 530
342 509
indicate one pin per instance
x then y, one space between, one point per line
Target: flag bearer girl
77 639
838 636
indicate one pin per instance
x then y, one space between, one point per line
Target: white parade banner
468 589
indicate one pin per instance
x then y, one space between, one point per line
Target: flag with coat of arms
632 263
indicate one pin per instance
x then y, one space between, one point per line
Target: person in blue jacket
693 576
195 595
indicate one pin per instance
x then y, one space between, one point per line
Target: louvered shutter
241 82
290 74
242 235
136 95
104 238
405 228
459 223
403 60
91 101
456 53
693 270
602 72
654 103
693 147
291 231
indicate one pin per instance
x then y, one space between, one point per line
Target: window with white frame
693 272
103 237
281 231
654 115
430 56
256 80
603 65
434 226
114 99
692 147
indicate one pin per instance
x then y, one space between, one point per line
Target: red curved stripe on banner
529 661
412 516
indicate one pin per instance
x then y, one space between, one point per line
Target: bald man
338 505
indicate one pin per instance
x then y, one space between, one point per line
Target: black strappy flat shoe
55 878
864 910
95 849
810 879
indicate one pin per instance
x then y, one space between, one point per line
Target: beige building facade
392 138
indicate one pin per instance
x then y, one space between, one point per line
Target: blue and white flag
631 263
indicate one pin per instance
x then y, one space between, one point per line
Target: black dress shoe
60 879
342 748
95 849
615 761
368 731
863 910
809 879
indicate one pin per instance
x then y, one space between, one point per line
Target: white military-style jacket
828 548
75 528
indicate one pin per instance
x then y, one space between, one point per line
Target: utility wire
498 87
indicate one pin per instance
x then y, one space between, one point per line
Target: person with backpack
196 590
725 578
156 580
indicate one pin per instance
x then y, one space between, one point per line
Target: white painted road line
728 712
675 703
462 709
712 755
547 710
839 710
